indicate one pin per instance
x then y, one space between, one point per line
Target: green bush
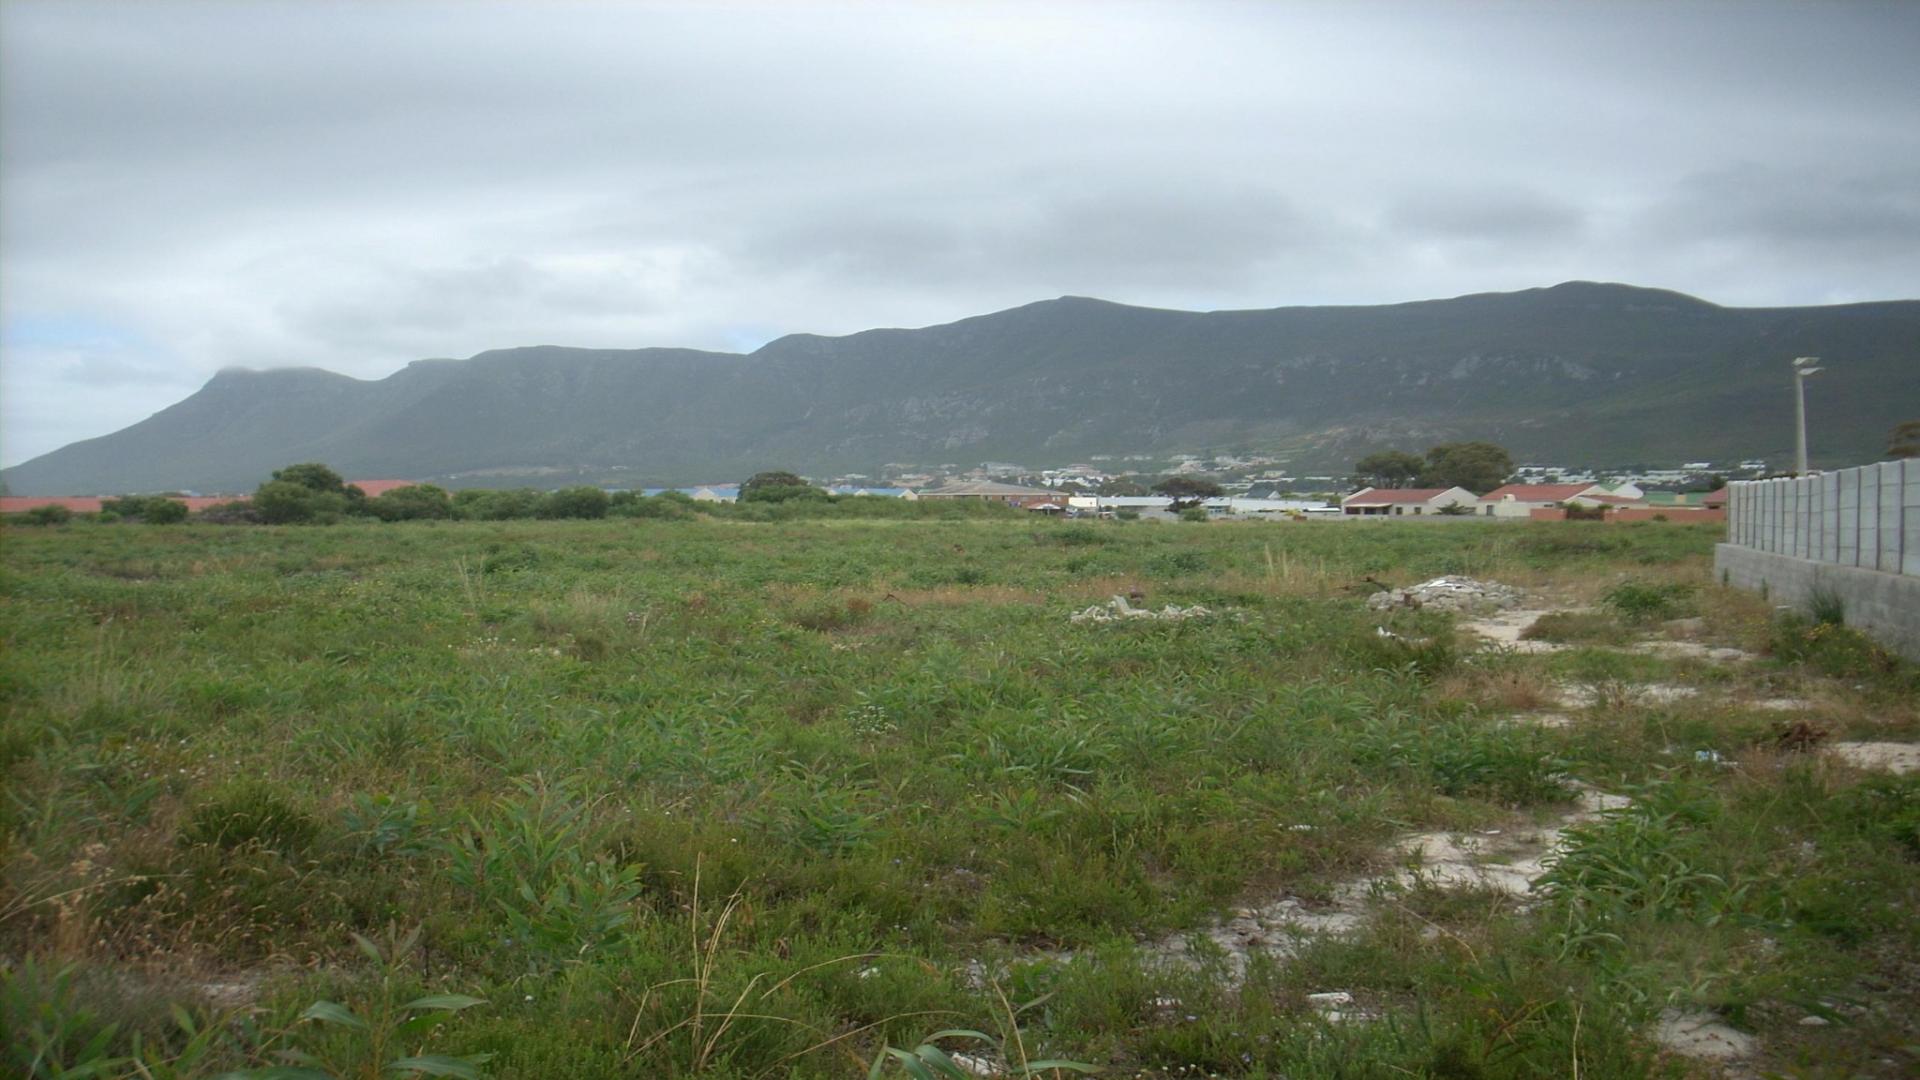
414 502
163 511
668 506
1644 602
50 514
479 504
574 502
282 502
249 812
1829 648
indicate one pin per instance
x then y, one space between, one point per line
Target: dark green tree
285 502
313 476
1186 491
777 486
1477 466
308 492
412 503
161 510
1904 442
1389 469
479 504
574 502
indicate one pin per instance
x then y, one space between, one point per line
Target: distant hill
1579 372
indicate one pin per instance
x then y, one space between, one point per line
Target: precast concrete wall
1852 534
1867 518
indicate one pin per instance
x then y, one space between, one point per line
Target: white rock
1702 1036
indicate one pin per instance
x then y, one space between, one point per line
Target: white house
1407 502
1521 500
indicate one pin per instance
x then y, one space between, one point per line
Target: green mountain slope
1577 373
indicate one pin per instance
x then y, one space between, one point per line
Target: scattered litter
1118 609
1330 999
868 973
1814 1021
1710 757
1449 594
974 1064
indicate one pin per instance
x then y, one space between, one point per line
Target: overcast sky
188 186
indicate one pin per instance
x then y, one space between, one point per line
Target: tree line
1477 466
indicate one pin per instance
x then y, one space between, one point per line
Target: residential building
1405 502
1521 500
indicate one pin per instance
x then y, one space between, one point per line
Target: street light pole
1803 366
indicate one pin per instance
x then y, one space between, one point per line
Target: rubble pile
1117 609
1449 594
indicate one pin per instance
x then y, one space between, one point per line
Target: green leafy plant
1639 601
379 1035
927 1061
529 858
47 1033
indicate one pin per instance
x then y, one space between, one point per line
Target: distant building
988 490
1521 500
1405 502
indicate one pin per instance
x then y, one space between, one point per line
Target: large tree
777 486
1389 469
1187 491
1477 466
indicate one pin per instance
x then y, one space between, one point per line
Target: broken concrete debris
1449 594
1118 609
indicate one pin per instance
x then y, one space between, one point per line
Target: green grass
745 798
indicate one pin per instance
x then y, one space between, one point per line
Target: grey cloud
1492 215
1795 212
357 185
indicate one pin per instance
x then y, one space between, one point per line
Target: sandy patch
1893 757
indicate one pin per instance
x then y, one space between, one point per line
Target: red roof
1714 498
1537 492
376 488
1373 496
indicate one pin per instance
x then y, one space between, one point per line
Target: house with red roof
1405 502
1521 500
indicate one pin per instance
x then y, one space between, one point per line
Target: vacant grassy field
759 799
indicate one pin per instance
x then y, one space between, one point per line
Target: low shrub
1829 648
1643 602
249 812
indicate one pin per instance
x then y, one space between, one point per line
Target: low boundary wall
1867 517
1887 606
1853 534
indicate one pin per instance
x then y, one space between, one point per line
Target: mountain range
1579 373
